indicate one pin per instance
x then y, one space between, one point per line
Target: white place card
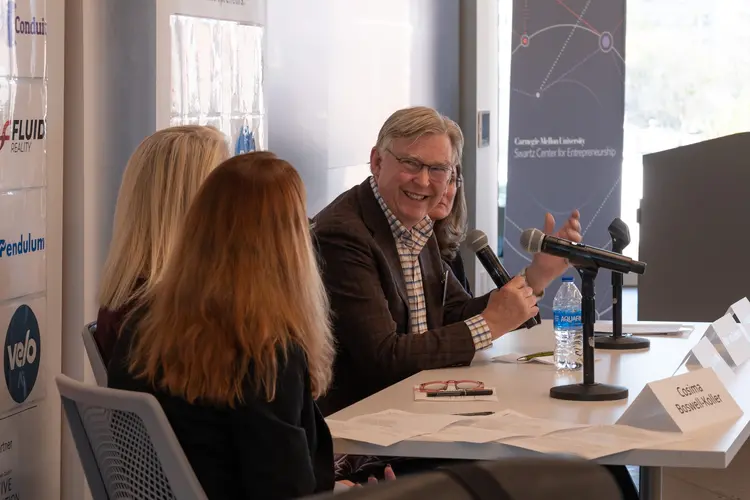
730 340
741 310
682 403
705 355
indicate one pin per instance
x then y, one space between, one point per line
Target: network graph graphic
550 30
565 126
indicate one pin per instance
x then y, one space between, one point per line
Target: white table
525 388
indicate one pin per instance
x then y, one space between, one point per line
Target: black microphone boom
579 255
479 244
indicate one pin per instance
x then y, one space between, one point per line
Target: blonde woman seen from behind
158 185
234 340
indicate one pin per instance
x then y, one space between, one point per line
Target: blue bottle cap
567 279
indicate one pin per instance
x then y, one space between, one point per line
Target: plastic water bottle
568 326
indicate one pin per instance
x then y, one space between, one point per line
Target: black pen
475 414
468 392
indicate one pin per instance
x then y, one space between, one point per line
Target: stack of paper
596 441
508 427
643 328
389 427
498 427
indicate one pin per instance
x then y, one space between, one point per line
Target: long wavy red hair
242 286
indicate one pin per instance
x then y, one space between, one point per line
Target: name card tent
705 355
740 310
730 340
682 403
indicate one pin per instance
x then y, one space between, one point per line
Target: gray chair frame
96 455
94 354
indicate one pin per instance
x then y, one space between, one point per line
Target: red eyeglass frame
447 383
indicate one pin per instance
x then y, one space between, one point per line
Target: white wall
480 92
338 68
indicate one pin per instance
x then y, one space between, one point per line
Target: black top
457 266
277 450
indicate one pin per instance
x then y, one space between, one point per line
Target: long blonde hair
241 286
160 180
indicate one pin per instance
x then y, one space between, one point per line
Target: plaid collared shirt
409 245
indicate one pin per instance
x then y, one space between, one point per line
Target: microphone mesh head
476 239
531 240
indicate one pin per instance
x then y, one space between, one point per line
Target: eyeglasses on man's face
437 173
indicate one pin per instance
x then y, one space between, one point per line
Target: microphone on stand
587 260
479 244
620 235
579 255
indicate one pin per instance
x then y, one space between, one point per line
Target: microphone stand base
622 342
589 392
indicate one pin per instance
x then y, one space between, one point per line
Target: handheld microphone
479 244
535 241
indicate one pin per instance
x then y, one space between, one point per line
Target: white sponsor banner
10 482
23 323
23 34
22 243
23 134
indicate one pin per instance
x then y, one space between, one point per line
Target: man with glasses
397 308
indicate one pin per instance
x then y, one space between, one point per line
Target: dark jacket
457 266
277 450
363 276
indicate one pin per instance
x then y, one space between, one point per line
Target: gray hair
413 123
451 231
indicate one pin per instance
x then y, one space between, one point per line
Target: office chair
126 445
94 355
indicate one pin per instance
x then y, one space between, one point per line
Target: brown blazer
363 276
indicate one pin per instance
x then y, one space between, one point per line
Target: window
687 80
505 29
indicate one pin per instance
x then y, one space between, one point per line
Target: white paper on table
466 434
504 425
381 436
389 427
646 328
422 396
418 423
522 425
596 441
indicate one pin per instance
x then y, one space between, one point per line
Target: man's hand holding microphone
514 303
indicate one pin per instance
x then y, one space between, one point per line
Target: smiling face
411 196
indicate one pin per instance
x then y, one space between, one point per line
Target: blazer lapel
375 220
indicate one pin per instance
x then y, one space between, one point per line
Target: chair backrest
507 479
94 355
126 445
